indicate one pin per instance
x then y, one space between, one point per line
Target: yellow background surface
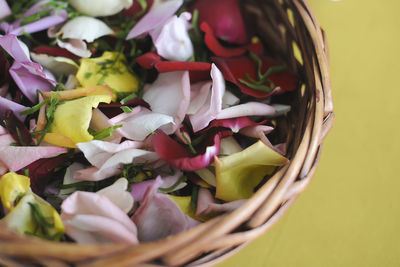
350 213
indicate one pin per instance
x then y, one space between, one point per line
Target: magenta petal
159 216
16 108
4 9
155 17
235 124
176 155
17 157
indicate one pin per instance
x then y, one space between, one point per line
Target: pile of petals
129 121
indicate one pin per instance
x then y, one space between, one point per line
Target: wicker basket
291 32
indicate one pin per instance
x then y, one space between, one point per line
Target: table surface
350 213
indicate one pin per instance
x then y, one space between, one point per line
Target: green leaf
105 133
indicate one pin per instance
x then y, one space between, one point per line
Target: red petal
40 172
148 60
55 52
224 17
136 8
179 157
236 68
214 45
169 66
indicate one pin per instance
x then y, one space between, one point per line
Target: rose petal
198 96
55 51
98 152
18 157
157 15
211 109
90 217
148 60
170 95
247 109
16 108
100 8
238 174
158 216
57 65
169 66
4 9
93 29
118 195
76 47
172 41
235 124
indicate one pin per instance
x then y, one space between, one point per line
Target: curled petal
148 60
170 95
117 193
172 41
93 29
247 109
18 157
259 132
213 106
98 152
235 124
101 8
92 218
238 174
214 45
54 51
76 47
112 166
158 216
179 157
57 65
157 15
16 108
11 185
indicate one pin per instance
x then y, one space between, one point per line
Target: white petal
57 65
100 8
170 95
85 28
229 100
76 47
69 178
247 109
173 41
117 193
199 95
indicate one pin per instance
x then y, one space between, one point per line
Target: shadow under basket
292 34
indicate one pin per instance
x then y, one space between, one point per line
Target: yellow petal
11 185
184 203
59 140
109 69
79 92
21 220
72 118
238 174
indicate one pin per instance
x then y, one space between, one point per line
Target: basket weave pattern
282 25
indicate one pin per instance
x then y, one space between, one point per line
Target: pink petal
157 15
16 108
98 152
76 47
139 189
6 139
235 124
17 157
170 95
211 109
260 132
247 109
159 216
198 96
97 218
203 200
4 9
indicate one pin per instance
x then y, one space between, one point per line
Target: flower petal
72 118
238 174
148 60
76 47
211 109
92 217
100 8
93 29
117 193
57 65
157 15
4 9
170 95
11 185
199 94
16 108
18 157
247 109
172 41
